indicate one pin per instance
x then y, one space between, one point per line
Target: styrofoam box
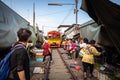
39 50
39 53
39 59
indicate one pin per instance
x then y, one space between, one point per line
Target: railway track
67 66
76 74
59 69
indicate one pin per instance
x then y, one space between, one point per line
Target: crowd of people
20 59
83 49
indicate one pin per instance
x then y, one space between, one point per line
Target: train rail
49 70
60 68
70 71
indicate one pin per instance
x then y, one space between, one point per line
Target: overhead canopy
107 14
10 22
90 30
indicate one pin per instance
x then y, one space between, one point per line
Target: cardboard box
39 56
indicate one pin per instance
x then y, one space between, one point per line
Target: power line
64 11
67 15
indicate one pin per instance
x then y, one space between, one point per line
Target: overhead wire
68 14
63 11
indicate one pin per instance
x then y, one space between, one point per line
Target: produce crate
39 55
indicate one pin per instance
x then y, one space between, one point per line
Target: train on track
54 38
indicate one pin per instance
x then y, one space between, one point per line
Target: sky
49 17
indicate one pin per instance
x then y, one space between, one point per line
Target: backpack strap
17 47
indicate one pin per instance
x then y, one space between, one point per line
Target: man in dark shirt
19 61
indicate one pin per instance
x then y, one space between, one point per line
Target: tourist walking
19 60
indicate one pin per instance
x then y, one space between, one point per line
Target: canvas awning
10 22
107 14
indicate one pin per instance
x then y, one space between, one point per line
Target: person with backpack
88 60
19 60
